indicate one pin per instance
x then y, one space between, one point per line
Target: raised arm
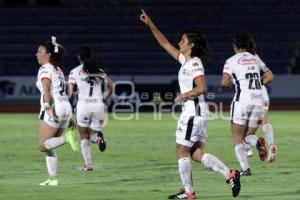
160 38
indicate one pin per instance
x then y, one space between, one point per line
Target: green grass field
140 162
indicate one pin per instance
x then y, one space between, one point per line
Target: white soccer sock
241 156
185 171
94 138
86 151
215 164
268 131
246 146
54 142
251 139
51 161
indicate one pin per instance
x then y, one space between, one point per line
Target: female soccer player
247 106
265 124
55 112
89 79
192 125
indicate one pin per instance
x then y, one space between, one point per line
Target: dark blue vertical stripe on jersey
238 88
196 102
232 111
91 88
42 115
189 128
102 86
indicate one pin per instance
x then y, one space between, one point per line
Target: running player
55 112
192 126
89 79
266 126
247 106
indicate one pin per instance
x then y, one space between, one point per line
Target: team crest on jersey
195 64
185 72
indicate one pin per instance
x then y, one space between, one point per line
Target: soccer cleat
101 141
234 181
261 148
70 137
182 194
49 182
272 153
246 172
88 168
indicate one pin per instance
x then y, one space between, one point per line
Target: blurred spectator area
125 46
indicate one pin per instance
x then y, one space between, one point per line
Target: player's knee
197 155
41 147
181 151
84 136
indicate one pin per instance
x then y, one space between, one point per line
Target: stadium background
128 51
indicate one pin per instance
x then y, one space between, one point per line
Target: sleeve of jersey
71 78
263 66
181 58
197 70
44 73
227 69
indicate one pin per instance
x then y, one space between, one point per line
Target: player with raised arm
90 80
191 131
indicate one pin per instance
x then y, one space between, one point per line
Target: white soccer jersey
263 88
89 87
244 70
57 87
190 70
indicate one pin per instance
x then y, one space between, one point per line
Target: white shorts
61 119
90 115
265 97
242 113
191 129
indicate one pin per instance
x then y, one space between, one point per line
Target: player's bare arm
267 77
70 90
110 87
47 97
192 94
225 82
160 38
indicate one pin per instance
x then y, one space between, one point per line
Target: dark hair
244 40
84 53
200 47
56 58
93 70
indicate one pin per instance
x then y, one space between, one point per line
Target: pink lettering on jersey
247 61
